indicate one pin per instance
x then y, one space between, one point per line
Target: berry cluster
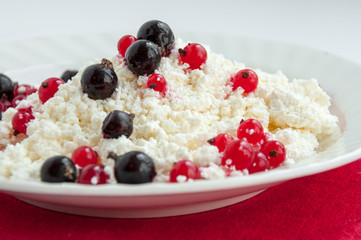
251 150
63 169
132 168
11 94
23 116
143 53
155 40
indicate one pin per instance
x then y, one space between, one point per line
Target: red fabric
323 206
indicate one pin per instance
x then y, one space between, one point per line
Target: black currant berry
134 167
143 57
68 74
58 169
99 81
6 87
158 32
117 124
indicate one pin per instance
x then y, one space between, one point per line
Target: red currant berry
16 100
24 89
21 119
275 151
83 156
260 163
4 105
48 88
251 130
238 153
157 82
93 174
184 168
246 79
221 141
124 43
26 109
194 54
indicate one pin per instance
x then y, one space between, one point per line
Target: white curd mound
198 105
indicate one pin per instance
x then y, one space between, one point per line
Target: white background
333 26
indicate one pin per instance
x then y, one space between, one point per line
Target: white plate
37 59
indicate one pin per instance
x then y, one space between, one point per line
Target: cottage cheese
198 105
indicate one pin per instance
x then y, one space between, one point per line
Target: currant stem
182 52
112 155
105 63
211 141
273 153
45 84
245 74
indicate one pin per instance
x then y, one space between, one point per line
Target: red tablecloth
323 206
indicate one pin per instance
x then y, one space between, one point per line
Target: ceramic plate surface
37 59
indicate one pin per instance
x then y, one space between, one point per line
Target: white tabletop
332 26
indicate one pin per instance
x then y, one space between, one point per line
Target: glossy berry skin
93 174
159 33
99 81
221 141
58 169
24 90
246 79
68 74
124 42
194 54
251 130
143 57
6 87
184 168
117 123
259 163
83 156
48 88
275 152
157 82
21 119
239 154
134 167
